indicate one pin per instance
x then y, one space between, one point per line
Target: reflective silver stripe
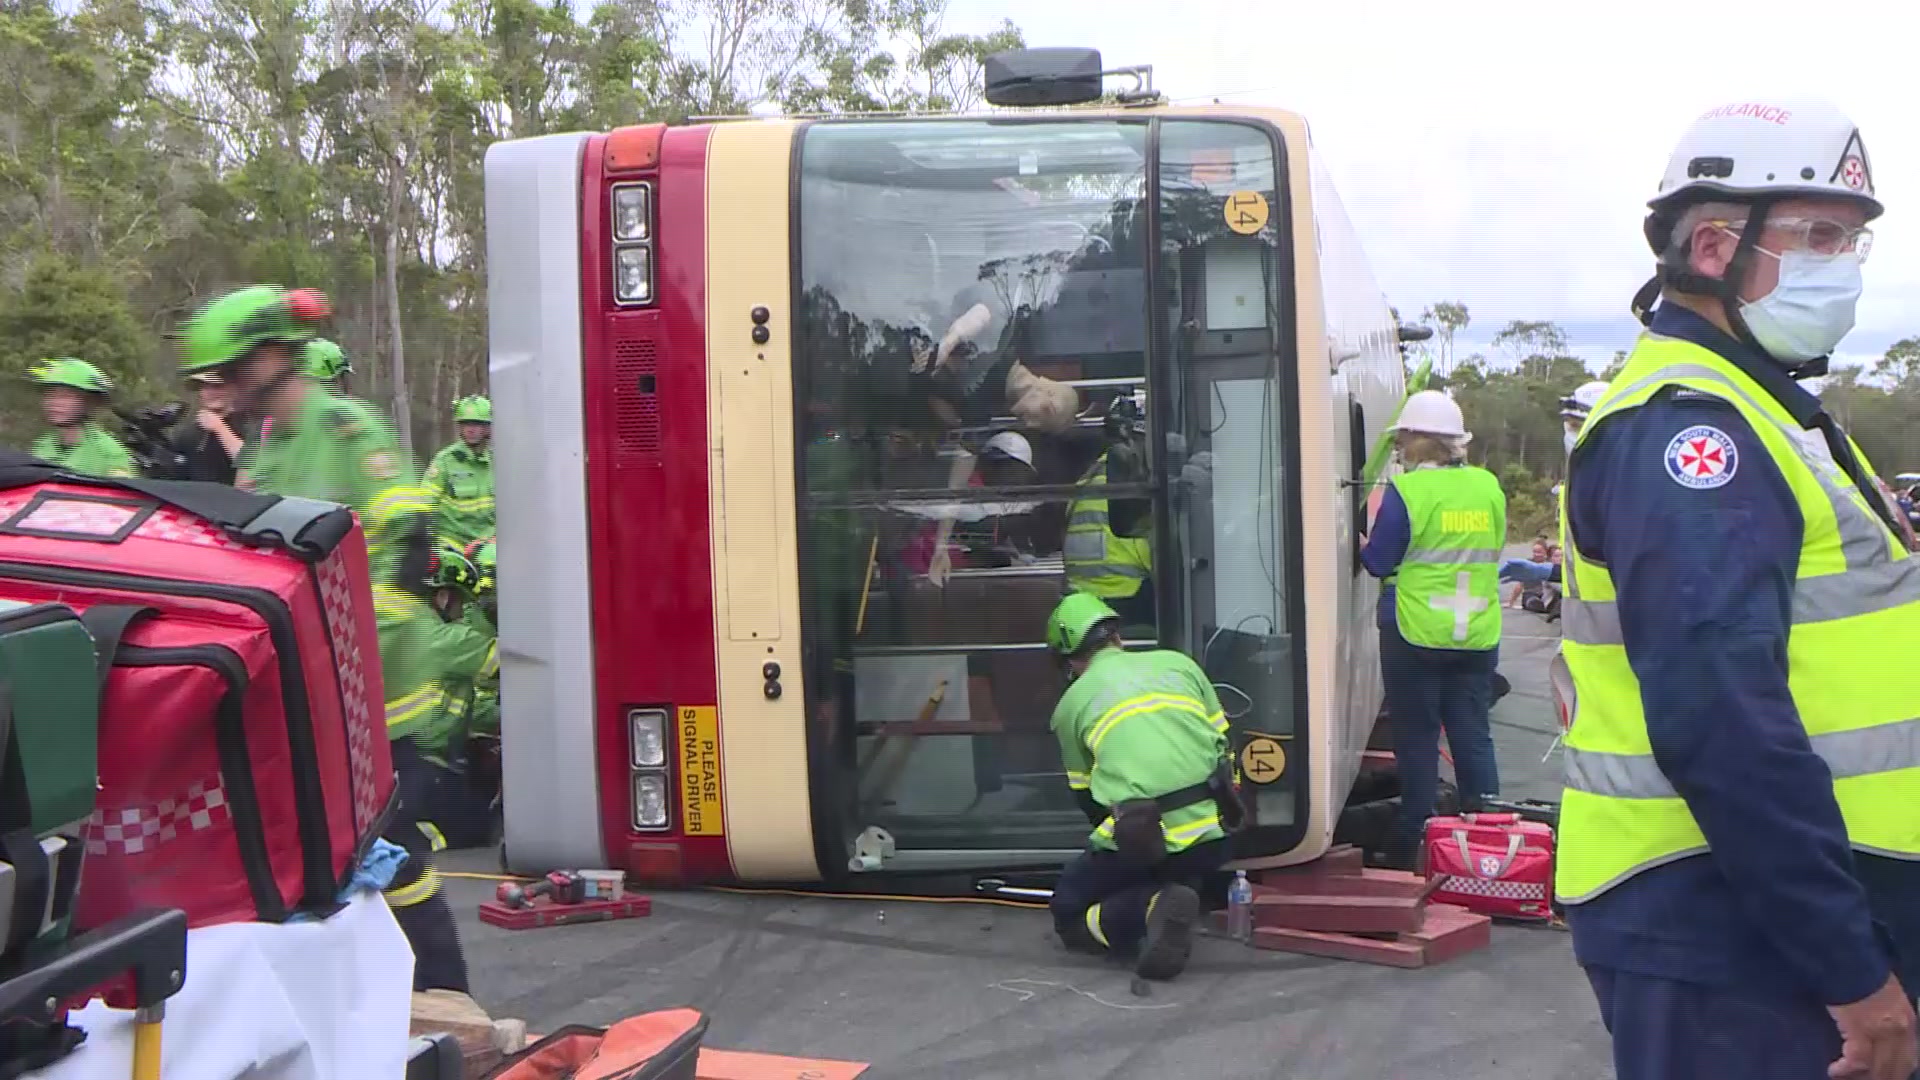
1871 751
1815 600
1873 581
1863 538
1590 622
1085 546
1856 592
1088 517
1451 556
1084 571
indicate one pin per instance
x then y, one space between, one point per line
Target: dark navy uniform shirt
1704 576
1387 540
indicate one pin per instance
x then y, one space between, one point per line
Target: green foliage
160 152
65 309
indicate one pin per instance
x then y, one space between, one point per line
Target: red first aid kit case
243 759
1494 864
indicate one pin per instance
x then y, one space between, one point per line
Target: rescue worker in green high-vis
1109 549
1144 744
326 363
461 476
436 703
320 445
1436 541
72 392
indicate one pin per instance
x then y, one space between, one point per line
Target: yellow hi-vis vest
1447 588
1856 611
1098 561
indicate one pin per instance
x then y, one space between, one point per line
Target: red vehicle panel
645 381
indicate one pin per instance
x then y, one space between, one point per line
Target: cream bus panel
763 747
546 647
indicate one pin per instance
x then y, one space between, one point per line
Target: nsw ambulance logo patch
1701 457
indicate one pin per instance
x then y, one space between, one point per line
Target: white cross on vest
1462 603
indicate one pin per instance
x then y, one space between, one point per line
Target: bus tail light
647 758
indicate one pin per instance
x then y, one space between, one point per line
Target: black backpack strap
308 528
107 622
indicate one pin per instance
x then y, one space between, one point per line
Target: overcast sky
1501 153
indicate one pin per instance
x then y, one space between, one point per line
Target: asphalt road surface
963 991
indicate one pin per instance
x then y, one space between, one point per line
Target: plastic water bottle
1240 907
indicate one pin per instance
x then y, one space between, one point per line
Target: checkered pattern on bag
132 830
180 527
1493 889
337 596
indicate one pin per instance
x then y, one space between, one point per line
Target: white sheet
301 1001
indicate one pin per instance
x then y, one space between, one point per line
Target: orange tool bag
661 1045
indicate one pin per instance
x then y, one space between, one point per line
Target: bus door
1031 355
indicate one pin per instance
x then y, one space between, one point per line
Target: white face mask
1569 437
1811 308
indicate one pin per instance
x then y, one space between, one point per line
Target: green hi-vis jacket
97 453
1098 560
342 450
461 480
1139 726
432 667
1447 587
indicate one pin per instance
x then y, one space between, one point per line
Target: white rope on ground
1015 986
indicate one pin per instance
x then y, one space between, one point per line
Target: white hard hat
1432 412
1581 402
1012 444
1779 148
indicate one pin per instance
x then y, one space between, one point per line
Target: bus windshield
1032 357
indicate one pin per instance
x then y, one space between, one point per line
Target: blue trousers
1099 888
1430 691
1668 1030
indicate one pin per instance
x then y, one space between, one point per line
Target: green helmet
451 570
67 371
473 410
324 360
228 328
480 553
1074 619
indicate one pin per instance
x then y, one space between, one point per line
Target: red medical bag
1495 864
244 766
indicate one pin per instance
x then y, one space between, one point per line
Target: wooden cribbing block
737 1065
483 1040
1341 914
1449 932
1345 859
1366 883
1365 950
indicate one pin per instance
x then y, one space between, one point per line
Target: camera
148 438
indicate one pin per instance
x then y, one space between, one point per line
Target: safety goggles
1822 236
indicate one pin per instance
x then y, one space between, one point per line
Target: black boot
1169 941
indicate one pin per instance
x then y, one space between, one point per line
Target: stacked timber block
1338 908
484 1041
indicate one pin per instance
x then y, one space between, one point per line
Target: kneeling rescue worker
439 695
321 445
1739 850
1144 743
